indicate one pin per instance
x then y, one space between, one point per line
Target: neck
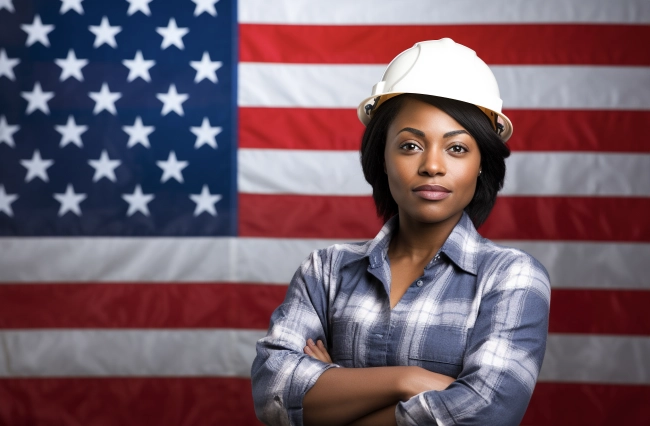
420 241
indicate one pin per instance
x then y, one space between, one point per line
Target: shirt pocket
342 338
441 350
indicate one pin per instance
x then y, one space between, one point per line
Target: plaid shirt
479 313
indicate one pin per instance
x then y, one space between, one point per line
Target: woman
428 323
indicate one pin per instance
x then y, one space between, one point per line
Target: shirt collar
461 247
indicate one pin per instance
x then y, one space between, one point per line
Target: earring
480 171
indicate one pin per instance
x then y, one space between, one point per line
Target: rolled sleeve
504 354
281 373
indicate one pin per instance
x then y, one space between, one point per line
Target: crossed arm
363 396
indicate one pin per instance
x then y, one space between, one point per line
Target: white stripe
577 173
337 12
591 265
228 353
278 171
127 353
273 260
313 172
596 359
522 87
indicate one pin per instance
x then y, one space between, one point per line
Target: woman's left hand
317 350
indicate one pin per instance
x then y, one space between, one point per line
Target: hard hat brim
374 102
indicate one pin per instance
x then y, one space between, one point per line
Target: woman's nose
433 163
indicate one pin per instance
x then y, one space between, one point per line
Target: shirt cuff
415 412
304 377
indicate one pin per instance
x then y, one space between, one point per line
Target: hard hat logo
440 68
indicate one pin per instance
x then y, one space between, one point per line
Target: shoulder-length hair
493 153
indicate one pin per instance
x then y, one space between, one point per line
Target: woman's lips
432 192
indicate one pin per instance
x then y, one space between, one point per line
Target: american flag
166 165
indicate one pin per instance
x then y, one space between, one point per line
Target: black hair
493 153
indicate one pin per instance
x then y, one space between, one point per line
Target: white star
172 168
205 6
105 100
172 100
172 35
37 99
6 200
104 33
104 167
205 68
70 201
205 135
138 201
36 167
139 6
71 5
7 131
138 67
6 4
37 32
71 66
205 201
71 133
138 133
7 65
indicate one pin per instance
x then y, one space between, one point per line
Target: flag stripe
513 218
627 311
237 306
274 171
592 404
274 260
536 130
529 44
170 401
569 358
226 352
370 12
521 86
123 353
138 305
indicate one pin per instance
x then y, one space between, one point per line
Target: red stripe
513 218
127 402
244 306
564 404
569 218
535 130
227 401
139 305
573 44
600 311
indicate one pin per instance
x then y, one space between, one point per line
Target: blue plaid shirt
479 313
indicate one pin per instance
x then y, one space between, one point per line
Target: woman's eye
458 149
409 146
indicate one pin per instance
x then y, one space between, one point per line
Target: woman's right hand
317 350
418 380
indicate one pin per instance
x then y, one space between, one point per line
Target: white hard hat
440 68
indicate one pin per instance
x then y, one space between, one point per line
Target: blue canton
118 118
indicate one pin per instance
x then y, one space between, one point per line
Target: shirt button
419 283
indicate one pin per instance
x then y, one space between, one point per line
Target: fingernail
307 349
311 342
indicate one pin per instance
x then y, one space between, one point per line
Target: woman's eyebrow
416 132
454 133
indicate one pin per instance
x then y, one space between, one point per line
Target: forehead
422 116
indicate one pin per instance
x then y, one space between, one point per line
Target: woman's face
432 163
